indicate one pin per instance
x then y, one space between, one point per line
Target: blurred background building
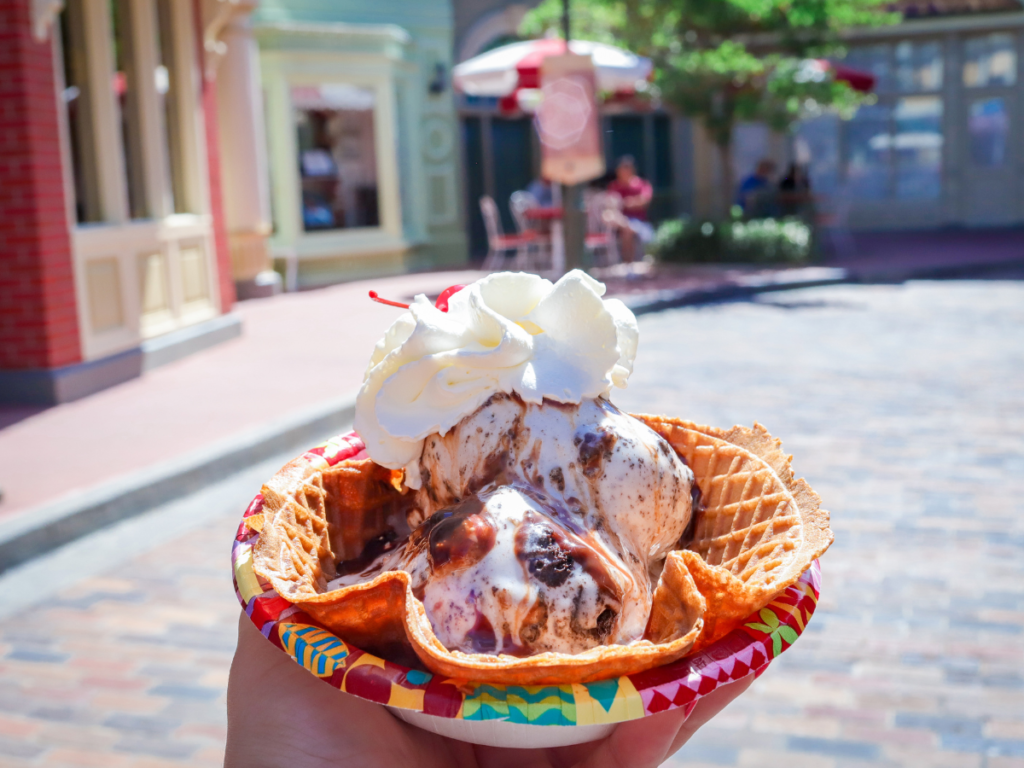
161 157
114 239
362 136
943 145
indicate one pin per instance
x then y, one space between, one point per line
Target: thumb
641 743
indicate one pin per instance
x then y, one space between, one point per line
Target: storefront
118 166
361 137
941 145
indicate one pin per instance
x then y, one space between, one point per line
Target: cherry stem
379 300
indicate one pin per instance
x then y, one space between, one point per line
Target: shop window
917 147
990 60
78 105
337 156
171 91
988 130
817 148
126 84
113 80
918 65
868 153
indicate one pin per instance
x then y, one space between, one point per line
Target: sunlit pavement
904 407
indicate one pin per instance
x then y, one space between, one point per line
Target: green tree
725 61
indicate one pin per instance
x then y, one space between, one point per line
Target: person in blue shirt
756 192
542 191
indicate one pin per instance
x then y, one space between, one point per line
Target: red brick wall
38 317
220 232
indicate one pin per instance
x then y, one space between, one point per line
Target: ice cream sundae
511 524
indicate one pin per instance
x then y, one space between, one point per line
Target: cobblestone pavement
904 406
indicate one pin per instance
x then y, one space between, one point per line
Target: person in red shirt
636 196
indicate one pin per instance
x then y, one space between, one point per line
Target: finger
279 714
708 707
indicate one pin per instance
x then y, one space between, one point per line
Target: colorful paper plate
499 715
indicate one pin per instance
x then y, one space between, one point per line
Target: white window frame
890 99
166 232
287 70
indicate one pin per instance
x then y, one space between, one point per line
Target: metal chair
500 244
519 203
603 216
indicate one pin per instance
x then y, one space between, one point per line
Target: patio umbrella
855 78
514 67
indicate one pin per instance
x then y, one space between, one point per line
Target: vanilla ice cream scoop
593 472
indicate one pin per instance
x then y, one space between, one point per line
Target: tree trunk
727 193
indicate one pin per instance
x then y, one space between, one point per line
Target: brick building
114 245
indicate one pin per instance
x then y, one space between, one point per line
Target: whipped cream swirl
509 332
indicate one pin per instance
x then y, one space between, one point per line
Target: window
127 108
126 84
918 66
337 156
893 149
917 147
868 153
170 92
990 60
817 148
78 104
988 129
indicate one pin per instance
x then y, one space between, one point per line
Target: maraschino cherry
441 303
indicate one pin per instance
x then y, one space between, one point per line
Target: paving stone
903 407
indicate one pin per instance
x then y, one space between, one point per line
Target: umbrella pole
572 216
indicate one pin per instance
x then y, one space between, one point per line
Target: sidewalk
296 350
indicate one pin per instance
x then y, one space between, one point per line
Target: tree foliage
724 61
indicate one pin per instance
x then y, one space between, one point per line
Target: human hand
280 716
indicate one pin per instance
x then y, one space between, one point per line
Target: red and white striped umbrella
514 67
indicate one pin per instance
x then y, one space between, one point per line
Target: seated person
542 191
636 195
756 192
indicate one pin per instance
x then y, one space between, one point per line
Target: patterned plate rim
747 650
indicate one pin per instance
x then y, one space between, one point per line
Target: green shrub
762 241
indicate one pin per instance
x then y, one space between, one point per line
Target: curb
40 530
806 277
43 529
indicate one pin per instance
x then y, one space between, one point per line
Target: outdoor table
549 213
552 214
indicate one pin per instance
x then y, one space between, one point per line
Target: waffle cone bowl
735 597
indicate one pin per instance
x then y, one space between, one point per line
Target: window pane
77 99
817 149
917 144
988 128
170 92
873 59
868 148
990 60
337 156
919 66
126 87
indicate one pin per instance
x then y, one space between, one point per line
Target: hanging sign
567 120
